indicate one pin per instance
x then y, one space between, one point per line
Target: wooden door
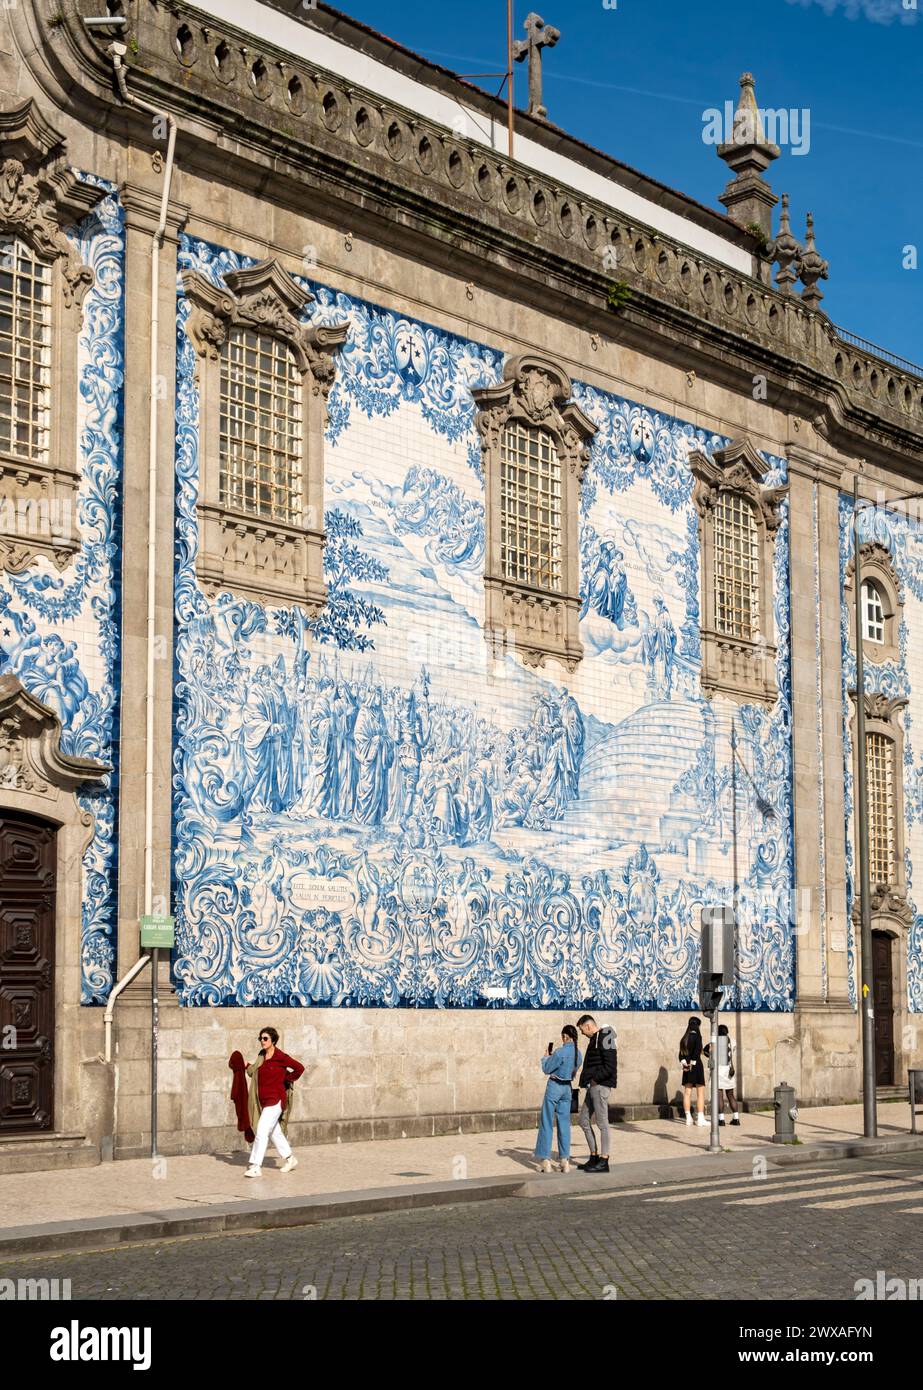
884 1009
27 923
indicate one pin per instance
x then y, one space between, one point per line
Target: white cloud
876 11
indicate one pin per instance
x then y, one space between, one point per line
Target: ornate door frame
892 916
38 778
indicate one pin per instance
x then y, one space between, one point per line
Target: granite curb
226 1218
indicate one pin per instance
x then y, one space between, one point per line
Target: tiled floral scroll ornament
59 633
902 536
375 807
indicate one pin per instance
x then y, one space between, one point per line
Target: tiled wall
59 632
902 536
382 811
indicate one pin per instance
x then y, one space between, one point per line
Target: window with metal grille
530 507
880 758
261 427
873 613
737 574
25 353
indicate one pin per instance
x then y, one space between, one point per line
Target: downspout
113 995
107 1146
116 51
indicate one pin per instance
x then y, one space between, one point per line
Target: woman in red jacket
271 1075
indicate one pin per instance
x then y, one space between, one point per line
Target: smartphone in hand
550 1048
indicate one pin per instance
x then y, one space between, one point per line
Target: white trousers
269 1128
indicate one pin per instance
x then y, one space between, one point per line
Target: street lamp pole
867 1003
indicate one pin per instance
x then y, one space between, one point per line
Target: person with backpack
725 1074
560 1067
600 1077
690 1055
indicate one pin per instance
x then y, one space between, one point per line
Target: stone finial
748 197
786 251
540 35
813 267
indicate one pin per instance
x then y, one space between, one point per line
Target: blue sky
634 80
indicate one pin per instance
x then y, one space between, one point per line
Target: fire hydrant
786 1114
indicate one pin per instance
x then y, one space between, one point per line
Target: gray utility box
718 924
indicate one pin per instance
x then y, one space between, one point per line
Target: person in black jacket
599 1076
690 1055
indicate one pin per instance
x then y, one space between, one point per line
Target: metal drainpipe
113 996
116 51
107 1056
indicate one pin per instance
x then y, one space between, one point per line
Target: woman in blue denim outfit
560 1067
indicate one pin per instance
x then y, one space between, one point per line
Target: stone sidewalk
140 1199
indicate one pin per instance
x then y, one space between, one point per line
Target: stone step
35 1153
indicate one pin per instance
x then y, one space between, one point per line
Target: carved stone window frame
39 197
881 717
539 623
743 669
877 568
258 557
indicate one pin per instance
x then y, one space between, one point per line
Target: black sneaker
600 1166
590 1164
735 1121
721 1124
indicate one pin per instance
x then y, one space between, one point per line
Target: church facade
426 574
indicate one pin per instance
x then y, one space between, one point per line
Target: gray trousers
596 1105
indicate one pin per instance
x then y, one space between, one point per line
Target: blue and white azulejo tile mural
375 808
59 632
902 536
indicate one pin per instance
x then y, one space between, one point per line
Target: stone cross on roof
541 35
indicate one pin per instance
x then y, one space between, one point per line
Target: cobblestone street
809 1233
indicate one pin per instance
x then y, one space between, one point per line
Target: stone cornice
538 391
738 468
277 126
142 211
817 467
30 745
39 194
262 297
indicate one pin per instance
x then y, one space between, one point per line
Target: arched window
43 282
530 507
873 613
261 427
25 353
881 808
737 567
263 382
535 446
884 753
739 516
880 606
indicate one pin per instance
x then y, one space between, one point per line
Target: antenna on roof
509 72
507 76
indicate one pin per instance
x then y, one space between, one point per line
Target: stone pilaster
825 1019
142 211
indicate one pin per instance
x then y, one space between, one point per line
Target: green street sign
156 931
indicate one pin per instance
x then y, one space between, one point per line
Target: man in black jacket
599 1076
